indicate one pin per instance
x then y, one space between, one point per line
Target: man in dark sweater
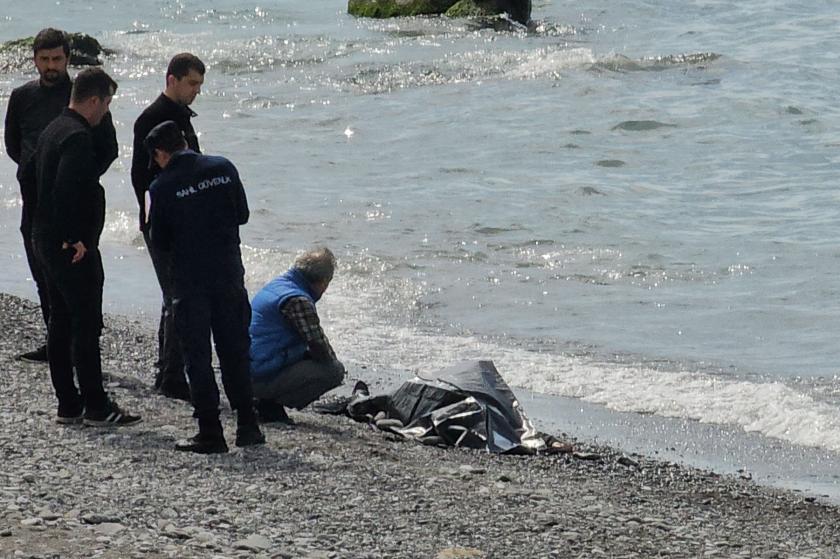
67 224
31 108
184 78
197 205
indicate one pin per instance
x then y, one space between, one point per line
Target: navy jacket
198 204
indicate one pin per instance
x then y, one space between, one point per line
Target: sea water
627 205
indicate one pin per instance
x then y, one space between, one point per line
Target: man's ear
159 155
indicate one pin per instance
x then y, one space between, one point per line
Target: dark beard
52 77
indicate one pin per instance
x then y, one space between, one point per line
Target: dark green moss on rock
470 8
84 51
519 10
397 8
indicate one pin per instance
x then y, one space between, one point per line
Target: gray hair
317 265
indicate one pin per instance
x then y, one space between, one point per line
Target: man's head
51 52
92 93
184 78
162 141
318 267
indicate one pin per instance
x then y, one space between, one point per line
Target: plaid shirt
302 314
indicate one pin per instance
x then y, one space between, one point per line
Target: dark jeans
37 272
75 296
170 358
226 312
300 384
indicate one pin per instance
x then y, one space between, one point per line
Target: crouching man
292 362
197 206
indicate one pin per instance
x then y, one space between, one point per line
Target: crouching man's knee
336 374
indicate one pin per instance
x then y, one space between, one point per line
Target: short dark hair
50 38
92 82
181 64
166 136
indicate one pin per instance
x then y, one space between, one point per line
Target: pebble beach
332 488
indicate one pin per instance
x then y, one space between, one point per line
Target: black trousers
225 312
37 272
170 357
75 324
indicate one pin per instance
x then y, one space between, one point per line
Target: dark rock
518 10
84 51
397 8
625 460
94 518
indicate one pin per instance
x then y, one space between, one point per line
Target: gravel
332 488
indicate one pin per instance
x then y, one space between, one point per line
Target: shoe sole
69 420
241 444
28 360
224 450
106 423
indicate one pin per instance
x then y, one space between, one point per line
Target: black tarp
466 405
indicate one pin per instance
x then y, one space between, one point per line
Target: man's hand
79 248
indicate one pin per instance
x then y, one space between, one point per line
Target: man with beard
32 107
66 227
184 78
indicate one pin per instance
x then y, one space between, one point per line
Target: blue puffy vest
274 341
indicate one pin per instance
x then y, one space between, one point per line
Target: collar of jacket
297 276
67 111
177 106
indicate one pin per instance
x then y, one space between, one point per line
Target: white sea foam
773 409
121 229
365 315
548 62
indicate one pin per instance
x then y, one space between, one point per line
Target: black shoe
35 356
69 416
203 444
249 435
360 389
174 391
273 412
111 416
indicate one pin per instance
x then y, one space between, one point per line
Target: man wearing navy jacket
197 205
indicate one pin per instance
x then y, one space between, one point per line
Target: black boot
209 440
248 430
270 411
175 390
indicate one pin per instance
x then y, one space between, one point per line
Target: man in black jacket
197 205
184 78
67 224
31 108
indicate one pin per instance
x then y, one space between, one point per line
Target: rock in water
84 51
519 10
397 8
